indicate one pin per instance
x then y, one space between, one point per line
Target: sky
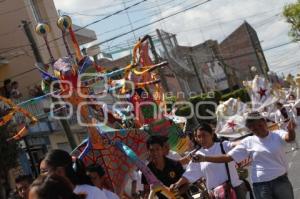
215 20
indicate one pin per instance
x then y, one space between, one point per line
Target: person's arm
185 160
215 159
192 173
291 135
235 143
183 180
237 154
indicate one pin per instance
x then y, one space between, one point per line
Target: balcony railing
40 110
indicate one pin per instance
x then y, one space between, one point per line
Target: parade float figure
261 93
230 119
118 151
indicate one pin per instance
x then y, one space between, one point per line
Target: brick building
242 50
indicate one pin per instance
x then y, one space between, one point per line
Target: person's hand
291 125
198 158
173 187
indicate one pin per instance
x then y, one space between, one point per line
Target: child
168 171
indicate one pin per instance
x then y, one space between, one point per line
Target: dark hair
22 178
53 187
75 172
6 81
96 168
253 117
207 128
292 95
156 139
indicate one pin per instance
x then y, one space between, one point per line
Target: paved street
294 168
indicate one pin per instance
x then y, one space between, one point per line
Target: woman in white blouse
269 162
215 174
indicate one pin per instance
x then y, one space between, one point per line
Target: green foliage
207 108
291 12
183 111
241 94
169 102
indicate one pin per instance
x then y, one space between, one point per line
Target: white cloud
217 20
214 20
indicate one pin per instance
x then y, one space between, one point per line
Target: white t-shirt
214 173
110 195
91 192
268 155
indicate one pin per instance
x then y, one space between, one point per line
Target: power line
97 21
99 8
104 14
248 53
127 25
108 16
228 58
161 19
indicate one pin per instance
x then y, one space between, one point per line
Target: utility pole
38 58
161 71
33 45
216 57
197 74
186 94
152 48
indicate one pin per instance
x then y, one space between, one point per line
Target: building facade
241 50
17 62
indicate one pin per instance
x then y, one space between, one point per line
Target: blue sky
213 20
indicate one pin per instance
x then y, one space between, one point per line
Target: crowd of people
210 160
10 89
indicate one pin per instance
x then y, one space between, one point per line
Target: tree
292 14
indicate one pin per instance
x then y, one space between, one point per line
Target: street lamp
253 69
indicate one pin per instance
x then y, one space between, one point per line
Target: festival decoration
9 116
231 119
106 145
261 93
